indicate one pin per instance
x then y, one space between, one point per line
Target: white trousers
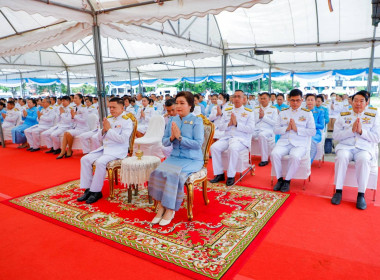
295 156
33 135
51 137
89 142
362 167
234 147
265 138
94 182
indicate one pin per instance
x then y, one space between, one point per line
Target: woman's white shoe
164 222
157 220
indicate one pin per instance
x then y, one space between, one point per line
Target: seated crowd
292 125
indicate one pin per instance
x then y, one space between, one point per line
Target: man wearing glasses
238 124
295 126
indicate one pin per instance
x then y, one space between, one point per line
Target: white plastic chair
304 170
92 121
151 142
351 179
255 148
321 149
244 162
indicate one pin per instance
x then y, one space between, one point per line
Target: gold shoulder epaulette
228 109
151 106
273 106
110 116
125 117
307 110
372 108
370 114
83 105
16 109
257 107
247 109
284 109
345 113
50 107
350 108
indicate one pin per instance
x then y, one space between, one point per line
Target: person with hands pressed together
238 124
186 133
295 126
358 133
117 129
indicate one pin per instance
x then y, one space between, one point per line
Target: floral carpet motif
207 247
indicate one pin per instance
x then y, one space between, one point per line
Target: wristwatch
180 138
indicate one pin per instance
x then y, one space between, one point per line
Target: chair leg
155 205
271 181
253 170
323 158
136 190
303 187
374 195
190 198
110 182
204 187
130 186
116 174
309 178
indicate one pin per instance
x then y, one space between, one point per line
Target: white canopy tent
182 38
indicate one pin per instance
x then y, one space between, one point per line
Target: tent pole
233 85
21 91
370 70
99 71
194 79
130 77
140 89
292 79
68 91
270 79
259 85
224 72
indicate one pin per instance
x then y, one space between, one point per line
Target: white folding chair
321 149
255 148
244 163
92 121
151 142
304 170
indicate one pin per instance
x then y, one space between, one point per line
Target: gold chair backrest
209 130
133 135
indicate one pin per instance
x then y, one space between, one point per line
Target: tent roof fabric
181 37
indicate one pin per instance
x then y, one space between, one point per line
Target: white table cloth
137 172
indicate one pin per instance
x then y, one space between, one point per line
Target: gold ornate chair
201 175
114 166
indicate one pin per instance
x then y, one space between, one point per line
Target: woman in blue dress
166 184
29 116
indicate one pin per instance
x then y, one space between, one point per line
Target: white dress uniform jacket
11 118
143 122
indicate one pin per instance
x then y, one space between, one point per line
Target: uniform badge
348 120
118 126
244 114
302 119
285 118
269 112
366 120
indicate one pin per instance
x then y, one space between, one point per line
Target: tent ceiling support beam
130 6
172 27
9 22
370 70
68 91
100 83
224 72
49 2
187 28
270 80
250 60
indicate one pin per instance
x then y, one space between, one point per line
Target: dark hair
214 94
118 100
81 97
295 92
189 98
54 98
34 101
66 97
225 96
147 98
48 100
310 94
127 98
333 93
272 94
281 94
12 102
197 96
169 102
2 104
96 98
167 94
320 96
265 93
363 93
23 100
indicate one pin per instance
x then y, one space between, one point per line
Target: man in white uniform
358 133
170 112
117 128
265 118
11 116
238 123
45 119
295 126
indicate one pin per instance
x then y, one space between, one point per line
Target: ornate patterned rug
214 245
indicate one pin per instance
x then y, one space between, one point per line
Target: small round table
136 172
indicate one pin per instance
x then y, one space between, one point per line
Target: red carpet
208 246
312 240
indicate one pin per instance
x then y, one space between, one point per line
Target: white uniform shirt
11 117
47 118
64 119
148 111
130 109
80 119
267 122
245 124
305 127
92 109
370 137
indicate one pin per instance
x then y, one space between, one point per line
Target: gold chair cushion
114 163
201 174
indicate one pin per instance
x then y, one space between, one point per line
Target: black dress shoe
57 152
29 149
336 199
218 178
35 150
94 197
278 185
230 181
84 196
50 151
263 163
285 186
360 203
